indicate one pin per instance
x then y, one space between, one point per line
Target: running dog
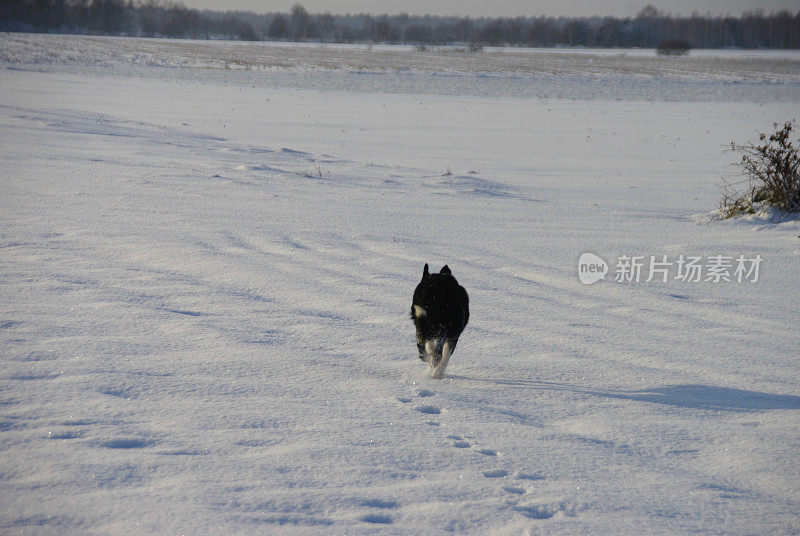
440 311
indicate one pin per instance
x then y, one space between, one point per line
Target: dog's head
425 273
431 290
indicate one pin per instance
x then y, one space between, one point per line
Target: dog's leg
430 352
436 351
447 351
422 352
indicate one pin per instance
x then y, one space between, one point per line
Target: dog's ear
445 270
425 271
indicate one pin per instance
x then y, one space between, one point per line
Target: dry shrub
773 175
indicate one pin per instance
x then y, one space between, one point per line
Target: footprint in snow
65 435
429 410
530 476
131 443
537 511
377 518
423 393
380 503
495 473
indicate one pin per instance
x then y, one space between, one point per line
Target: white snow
207 275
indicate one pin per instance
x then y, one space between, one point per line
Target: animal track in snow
377 518
131 443
535 511
547 510
429 410
459 442
529 476
65 435
495 473
380 503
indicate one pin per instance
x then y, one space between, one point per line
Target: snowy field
207 256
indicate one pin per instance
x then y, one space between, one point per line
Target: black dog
440 310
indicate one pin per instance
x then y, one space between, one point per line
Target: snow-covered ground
207 272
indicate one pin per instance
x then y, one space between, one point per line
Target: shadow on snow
708 397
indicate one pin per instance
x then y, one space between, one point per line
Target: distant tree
325 26
575 33
385 31
493 32
465 30
367 32
606 35
246 32
108 16
278 28
77 18
418 34
14 13
649 28
148 18
648 12
515 30
673 47
176 20
300 19
540 33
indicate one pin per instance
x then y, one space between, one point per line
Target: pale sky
500 8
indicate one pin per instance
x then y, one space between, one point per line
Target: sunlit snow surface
207 255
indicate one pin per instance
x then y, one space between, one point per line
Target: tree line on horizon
164 18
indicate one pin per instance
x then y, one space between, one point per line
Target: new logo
591 268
